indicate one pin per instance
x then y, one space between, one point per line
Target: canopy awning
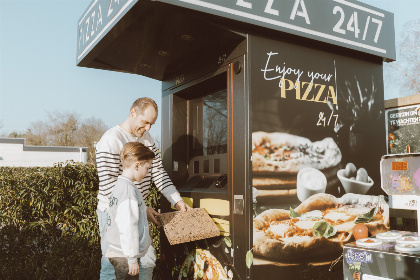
156 38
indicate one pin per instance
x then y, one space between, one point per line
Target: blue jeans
147 263
145 273
107 270
121 269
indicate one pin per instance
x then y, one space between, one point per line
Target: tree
37 134
404 73
64 129
16 134
90 132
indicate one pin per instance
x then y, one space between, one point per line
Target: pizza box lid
194 224
389 235
407 247
368 242
408 240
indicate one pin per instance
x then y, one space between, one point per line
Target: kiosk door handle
238 204
221 181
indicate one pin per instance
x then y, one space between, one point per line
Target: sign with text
346 23
97 20
403 129
317 137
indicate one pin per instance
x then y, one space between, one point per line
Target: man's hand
151 216
133 268
182 206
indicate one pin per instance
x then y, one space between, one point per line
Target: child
127 227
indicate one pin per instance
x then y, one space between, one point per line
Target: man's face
141 122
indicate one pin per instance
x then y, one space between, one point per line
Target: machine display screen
399 165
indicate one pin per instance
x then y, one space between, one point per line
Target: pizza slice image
201 264
278 157
277 152
317 229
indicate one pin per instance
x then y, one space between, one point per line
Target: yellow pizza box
194 224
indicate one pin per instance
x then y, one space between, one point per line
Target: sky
38 72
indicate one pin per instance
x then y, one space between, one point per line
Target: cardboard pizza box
194 224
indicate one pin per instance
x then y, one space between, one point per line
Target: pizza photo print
317 121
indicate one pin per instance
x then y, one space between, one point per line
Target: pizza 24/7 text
100 15
308 91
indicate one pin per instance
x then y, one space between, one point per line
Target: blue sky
38 72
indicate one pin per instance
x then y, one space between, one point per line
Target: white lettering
378 30
99 20
92 30
244 4
110 9
406 121
80 35
269 9
303 13
280 70
337 28
87 29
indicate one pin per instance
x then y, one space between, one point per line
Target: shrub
48 222
39 254
62 197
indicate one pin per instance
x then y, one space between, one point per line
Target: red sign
399 165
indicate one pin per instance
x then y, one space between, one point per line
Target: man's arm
108 167
163 182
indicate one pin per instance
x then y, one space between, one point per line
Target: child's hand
151 216
133 268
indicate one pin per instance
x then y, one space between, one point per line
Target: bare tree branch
408 61
405 74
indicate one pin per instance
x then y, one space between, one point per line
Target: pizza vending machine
394 254
272 121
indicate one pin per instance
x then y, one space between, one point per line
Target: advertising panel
317 121
403 129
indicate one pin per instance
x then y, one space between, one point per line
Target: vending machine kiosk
272 121
394 254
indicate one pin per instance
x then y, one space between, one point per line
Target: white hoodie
127 226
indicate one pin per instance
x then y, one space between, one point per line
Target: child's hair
134 151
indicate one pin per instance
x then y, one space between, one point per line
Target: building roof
41 148
403 101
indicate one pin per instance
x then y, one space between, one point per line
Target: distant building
15 152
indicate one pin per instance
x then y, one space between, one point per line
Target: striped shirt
109 167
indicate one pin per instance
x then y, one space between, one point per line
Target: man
143 114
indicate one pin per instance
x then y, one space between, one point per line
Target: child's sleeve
127 219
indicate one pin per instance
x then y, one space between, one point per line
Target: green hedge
48 222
